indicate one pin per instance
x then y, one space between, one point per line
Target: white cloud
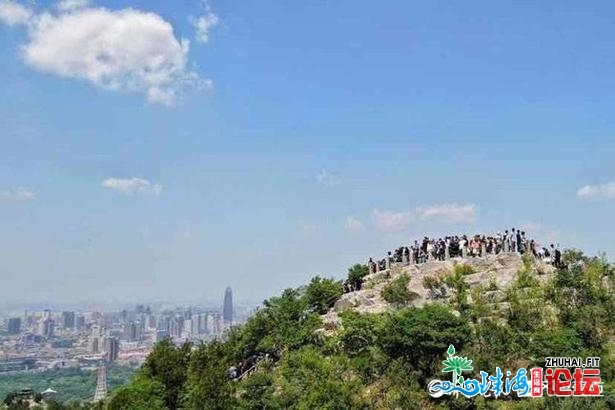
452 212
12 13
205 23
132 186
121 50
17 195
327 178
386 220
69 5
353 224
392 221
606 190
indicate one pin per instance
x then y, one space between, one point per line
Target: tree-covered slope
385 360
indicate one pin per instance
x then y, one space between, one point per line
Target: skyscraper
227 312
68 320
96 342
14 326
79 322
112 348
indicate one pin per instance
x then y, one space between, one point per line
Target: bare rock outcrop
495 272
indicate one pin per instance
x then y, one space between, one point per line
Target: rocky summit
494 272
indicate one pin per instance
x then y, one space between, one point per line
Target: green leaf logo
456 365
451 350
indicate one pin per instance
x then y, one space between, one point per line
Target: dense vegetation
384 361
72 385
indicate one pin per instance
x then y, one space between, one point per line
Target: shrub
464 270
457 283
436 287
397 292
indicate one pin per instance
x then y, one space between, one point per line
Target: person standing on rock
513 241
519 242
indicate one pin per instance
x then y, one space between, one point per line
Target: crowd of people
430 249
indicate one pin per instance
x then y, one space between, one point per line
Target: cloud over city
328 178
132 186
17 195
606 190
205 23
387 220
125 50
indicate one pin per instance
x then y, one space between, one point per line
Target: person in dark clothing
519 243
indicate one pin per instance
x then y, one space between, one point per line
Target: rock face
493 271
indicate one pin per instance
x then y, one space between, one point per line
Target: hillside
498 270
379 347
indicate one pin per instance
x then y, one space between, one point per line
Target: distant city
47 340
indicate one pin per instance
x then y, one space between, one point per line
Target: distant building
209 323
227 311
14 326
96 339
46 327
218 325
68 320
161 335
80 322
187 329
177 326
197 329
132 331
112 348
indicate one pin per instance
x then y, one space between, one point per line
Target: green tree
141 394
168 364
258 392
397 291
423 335
457 282
321 294
208 386
285 322
356 273
310 380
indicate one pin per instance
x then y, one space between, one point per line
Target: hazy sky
165 150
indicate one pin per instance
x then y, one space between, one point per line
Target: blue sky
163 150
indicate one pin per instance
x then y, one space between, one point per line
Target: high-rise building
46 327
112 348
196 324
227 312
177 326
14 326
96 339
187 332
218 325
79 322
203 323
68 320
132 331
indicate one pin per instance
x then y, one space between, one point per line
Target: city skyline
257 145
